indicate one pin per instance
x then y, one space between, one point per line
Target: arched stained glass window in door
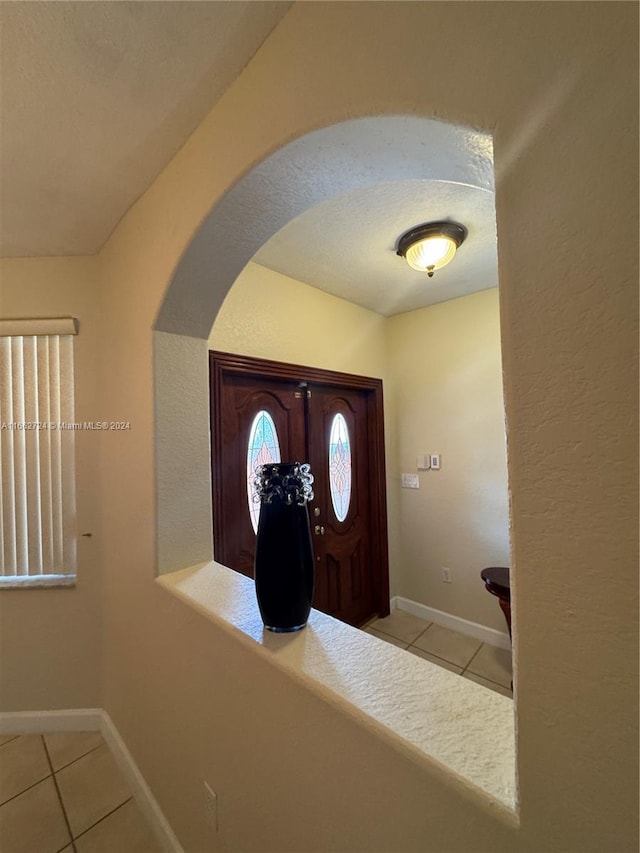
340 467
262 449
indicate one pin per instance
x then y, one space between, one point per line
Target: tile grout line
421 634
55 782
446 660
491 681
28 788
93 749
464 670
15 737
473 657
483 676
386 634
439 657
104 817
400 639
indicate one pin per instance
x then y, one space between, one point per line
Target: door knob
316 511
318 530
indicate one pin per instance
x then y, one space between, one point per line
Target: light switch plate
410 481
435 461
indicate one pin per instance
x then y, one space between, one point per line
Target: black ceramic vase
284 552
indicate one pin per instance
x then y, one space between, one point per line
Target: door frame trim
223 363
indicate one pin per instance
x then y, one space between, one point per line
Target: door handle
318 530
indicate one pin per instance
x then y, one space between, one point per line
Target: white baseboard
97 720
39 722
142 792
456 623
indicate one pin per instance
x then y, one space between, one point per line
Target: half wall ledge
433 716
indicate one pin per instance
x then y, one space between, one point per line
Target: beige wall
557 85
50 638
269 315
192 703
446 369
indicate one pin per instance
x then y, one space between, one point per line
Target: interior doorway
264 411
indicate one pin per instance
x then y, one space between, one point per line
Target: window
37 453
263 448
340 467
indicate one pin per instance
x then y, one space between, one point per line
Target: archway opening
323 164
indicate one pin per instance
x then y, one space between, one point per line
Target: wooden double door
262 409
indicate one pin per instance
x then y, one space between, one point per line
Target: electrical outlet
211 807
446 575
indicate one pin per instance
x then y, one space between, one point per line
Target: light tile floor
479 662
63 793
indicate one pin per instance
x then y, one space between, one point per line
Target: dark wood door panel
342 545
350 553
241 399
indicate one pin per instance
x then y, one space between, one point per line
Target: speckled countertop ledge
432 713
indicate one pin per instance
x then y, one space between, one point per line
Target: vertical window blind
37 453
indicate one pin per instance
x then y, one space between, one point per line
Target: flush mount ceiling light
431 246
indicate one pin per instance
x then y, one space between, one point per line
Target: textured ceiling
346 246
97 97
336 162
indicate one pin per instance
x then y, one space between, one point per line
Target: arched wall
319 165
303 173
556 85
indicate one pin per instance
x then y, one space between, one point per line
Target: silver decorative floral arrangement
291 482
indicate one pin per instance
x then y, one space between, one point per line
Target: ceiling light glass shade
433 252
431 246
